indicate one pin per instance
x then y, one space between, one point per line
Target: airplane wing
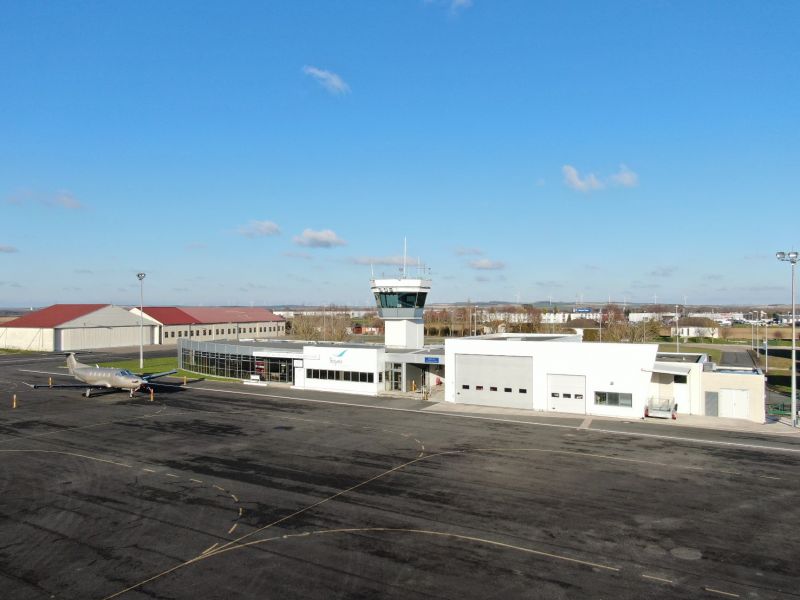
82 386
149 378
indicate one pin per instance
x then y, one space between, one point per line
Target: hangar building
63 327
208 323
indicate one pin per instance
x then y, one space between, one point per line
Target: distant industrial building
209 323
65 327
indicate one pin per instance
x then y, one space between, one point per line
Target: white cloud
259 229
662 272
327 79
60 199
586 184
625 177
65 200
8 249
379 260
484 264
468 251
457 5
318 239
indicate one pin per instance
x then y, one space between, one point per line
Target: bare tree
306 327
332 327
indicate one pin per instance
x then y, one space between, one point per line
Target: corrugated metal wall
84 338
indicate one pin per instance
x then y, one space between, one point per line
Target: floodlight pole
794 357
141 277
677 331
791 257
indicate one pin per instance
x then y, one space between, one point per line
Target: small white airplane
97 377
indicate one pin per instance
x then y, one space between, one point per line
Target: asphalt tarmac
227 491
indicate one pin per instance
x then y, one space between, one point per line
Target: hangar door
494 380
734 403
566 393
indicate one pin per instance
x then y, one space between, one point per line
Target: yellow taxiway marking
228 548
232 528
729 594
103 460
457 536
209 549
235 499
171 475
657 578
149 470
241 510
219 488
195 480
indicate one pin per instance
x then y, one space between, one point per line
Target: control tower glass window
401 300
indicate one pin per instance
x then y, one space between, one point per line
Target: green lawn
159 365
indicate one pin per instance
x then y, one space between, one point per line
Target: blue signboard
432 360
583 310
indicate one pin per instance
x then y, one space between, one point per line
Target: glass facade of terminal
234 361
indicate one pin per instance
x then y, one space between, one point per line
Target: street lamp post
677 330
141 277
791 257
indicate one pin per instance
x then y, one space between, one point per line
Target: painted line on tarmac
654 578
499 420
211 553
13 438
62 374
728 594
103 460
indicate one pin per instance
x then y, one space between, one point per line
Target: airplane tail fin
71 363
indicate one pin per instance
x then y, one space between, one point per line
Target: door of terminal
566 393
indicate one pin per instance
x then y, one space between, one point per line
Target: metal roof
683 357
671 368
169 315
54 315
231 314
207 315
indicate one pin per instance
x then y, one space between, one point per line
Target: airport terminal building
558 373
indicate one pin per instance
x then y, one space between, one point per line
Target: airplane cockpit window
125 373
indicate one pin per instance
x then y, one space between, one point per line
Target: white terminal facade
558 373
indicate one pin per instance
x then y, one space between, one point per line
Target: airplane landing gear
131 396
88 392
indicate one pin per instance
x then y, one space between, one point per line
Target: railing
658 403
781 410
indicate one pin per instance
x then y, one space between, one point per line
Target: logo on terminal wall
337 360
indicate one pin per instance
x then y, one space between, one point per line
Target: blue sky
267 153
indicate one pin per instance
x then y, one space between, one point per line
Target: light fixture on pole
141 277
791 257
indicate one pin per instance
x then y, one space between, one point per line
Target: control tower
401 303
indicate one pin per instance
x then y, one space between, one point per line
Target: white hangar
62 327
560 373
